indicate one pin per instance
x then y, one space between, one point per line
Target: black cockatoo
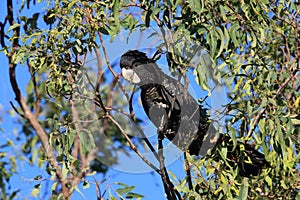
178 116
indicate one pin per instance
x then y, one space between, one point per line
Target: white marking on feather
130 76
162 105
161 126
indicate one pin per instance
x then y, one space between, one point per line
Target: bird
178 116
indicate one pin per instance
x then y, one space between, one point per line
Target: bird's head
137 68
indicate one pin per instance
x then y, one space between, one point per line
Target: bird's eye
135 65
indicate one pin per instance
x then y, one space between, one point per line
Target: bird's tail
249 161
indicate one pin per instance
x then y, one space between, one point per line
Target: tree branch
170 190
2 35
10 17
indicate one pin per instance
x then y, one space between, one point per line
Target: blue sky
147 182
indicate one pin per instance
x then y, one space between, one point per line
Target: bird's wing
174 110
162 108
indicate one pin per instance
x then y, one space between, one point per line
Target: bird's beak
130 76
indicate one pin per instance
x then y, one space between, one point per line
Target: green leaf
201 80
222 11
125 190
195 6
147 17
87 141
54 186
254 40
86 184
227 38
244 189
295 121
122 184
282 183
116 8
174 4
13 27
64 170
71 4
222 38
19 56
204 70
14 194
212 42
82 195
268 180
132 195
103 30
36 190
262 35
232 32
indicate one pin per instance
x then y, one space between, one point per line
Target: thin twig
106 57
100 72
98 189
133 147
16 110
116 76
